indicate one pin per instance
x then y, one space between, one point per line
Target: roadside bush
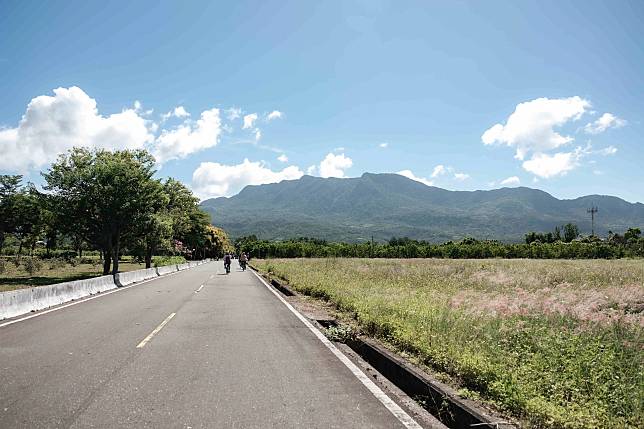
56 263
32 265
3 266
161 261
16 261
73 262
85 260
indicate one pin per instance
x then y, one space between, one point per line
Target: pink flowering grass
556 343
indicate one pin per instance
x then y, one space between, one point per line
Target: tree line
110 202
629 244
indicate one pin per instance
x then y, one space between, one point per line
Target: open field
556 343
57 271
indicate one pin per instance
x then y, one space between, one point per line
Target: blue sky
338 89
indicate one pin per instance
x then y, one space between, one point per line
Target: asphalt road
232 356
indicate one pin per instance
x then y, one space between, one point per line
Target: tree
9 188
103 196
632 234
571 231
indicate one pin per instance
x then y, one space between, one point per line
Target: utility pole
592 210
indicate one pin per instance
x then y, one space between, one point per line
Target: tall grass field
556 343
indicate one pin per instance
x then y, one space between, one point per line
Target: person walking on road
227 262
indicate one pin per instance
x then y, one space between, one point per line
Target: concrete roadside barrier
14 303
129 277
161 271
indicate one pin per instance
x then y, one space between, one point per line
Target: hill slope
386 205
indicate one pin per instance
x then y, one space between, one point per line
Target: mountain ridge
386 205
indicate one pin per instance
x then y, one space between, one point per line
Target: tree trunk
148 257
20 249
115 255
107 262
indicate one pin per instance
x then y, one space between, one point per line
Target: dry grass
557 343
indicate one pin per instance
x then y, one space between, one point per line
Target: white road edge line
99 295
394 408
156 331
200 287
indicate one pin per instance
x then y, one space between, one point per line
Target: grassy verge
555 343
51 271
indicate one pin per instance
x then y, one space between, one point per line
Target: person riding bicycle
227 262
242 261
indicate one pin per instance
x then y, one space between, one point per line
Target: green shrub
32 265
161 261
56 263
3 266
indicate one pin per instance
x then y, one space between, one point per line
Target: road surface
197 349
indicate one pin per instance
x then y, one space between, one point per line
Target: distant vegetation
107 202
537 246
556 343
352 210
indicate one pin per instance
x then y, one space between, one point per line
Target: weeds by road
28 272
555 343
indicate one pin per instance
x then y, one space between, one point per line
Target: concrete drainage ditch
437 398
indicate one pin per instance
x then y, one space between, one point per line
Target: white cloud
177 112
461 176
334 165
408 174
311 170
511 181
610 150
54 124
258 134
547 166
439 170
383 145
233 113
530 128
189 137
606 121
249 120
282 158
212 179
275 114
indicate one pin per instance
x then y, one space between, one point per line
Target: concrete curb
438 399
16 302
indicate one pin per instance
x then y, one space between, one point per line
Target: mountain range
390 205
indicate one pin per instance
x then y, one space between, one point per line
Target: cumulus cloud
312 170
282 158
177 112
511 181
439 170
249 120
275 114
605 121
558 164
258 134
383 145
212 179
408 174
334 165
54 124
233 113
189 137
461 176
531 127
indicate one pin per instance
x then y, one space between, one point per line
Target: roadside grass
556 343
57 270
